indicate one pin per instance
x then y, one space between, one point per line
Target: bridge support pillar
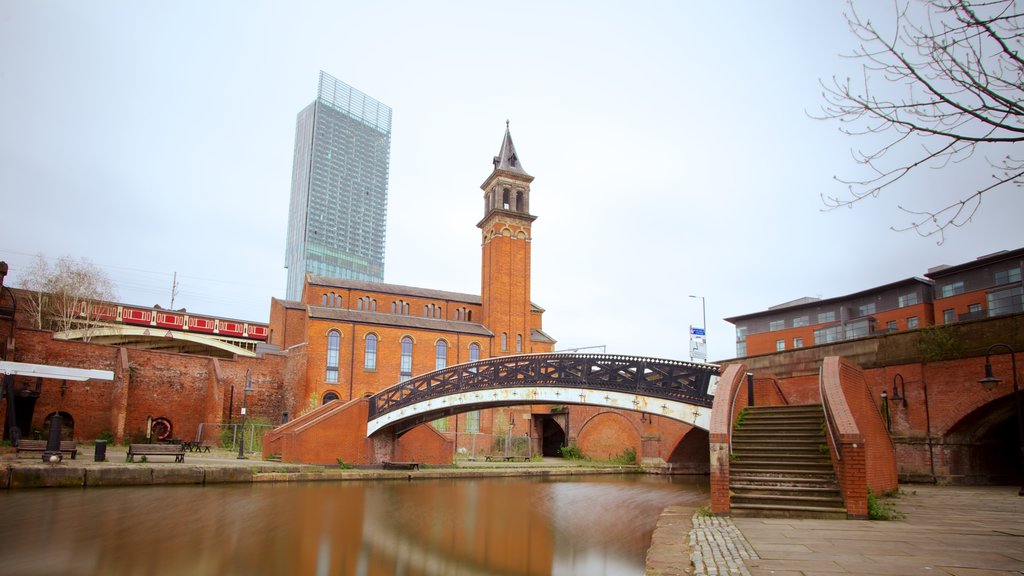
383 446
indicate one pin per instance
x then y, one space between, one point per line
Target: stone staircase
781 467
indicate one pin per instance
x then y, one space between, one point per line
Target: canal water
594 525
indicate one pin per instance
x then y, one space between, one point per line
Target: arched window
330 397
458 313
469 315
504 342
440 355
323 301
474 352
519 343
359 304
333 346
370 356
406 365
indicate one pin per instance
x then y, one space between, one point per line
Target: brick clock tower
505 287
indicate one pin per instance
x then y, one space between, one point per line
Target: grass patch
704 511
739 419
879 509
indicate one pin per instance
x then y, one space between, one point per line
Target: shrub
879 510
627 457
572 452
106 435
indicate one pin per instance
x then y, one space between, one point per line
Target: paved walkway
945 530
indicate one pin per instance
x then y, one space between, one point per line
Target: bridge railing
670 379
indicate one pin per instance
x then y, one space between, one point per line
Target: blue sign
697 331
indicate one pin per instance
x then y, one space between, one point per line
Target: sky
673 144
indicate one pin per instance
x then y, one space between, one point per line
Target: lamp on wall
989 382
885 410
245 392
896 397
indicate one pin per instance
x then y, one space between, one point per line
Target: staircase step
777 511
787 500
781 430
787 476
787 458
774 417
765 465
820 490
790 409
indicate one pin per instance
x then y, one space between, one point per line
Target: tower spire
507 159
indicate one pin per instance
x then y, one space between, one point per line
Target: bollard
101 451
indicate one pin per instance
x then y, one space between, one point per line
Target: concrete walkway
945 530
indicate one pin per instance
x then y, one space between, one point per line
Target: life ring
162 428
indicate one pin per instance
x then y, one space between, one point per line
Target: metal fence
479 446
228 435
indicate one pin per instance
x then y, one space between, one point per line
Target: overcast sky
671 144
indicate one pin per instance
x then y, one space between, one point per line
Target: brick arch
983 447
607 434
691 453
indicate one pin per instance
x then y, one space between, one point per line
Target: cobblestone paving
717 547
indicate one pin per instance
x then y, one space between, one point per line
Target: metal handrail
732 404
828 410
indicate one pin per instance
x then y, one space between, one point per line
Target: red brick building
987 287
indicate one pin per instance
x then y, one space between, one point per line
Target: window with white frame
405 367
333 348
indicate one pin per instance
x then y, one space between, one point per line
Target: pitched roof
394 289
507 159
397 320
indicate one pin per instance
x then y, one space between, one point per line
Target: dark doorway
984 447
24 407
553 438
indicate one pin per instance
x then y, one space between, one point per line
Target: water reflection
593 525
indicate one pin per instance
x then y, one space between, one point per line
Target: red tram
174 320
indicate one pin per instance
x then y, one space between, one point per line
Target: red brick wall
607 434
185 389
337 431
722 415
868 455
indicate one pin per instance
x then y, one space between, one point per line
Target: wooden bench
506 458
66 447
401 465
176 450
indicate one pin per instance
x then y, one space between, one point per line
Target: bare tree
944 83
63 297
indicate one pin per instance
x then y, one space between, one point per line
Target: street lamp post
245 392
990 382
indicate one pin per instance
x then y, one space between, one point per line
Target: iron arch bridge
675 389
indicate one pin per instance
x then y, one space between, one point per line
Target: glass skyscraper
338 210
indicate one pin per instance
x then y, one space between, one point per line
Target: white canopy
57 372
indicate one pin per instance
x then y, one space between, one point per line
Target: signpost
698 345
